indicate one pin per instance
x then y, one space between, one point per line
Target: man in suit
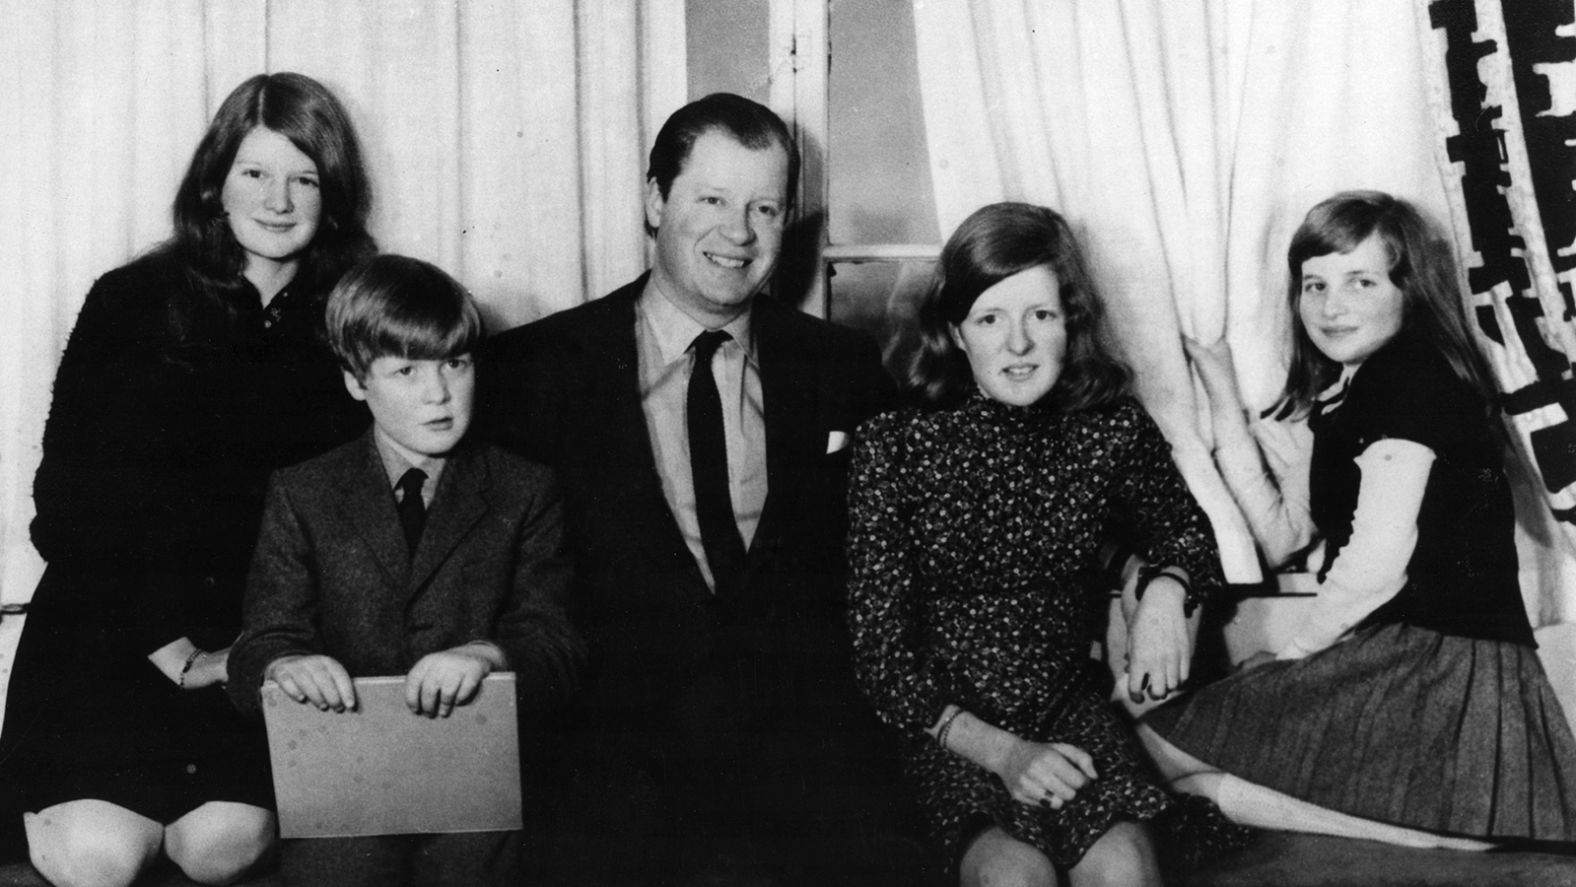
700 430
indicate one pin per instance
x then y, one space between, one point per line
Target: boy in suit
410 551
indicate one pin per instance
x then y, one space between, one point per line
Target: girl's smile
1348 304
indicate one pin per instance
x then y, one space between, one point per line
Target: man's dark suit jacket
565 391
331 575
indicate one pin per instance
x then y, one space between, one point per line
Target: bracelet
946 727
1149 573
191 659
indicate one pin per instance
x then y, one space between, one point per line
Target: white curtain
505 142
1184 139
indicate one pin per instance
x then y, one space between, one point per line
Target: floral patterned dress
973 545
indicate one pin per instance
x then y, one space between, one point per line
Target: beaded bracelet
946 726
191 659
1149 573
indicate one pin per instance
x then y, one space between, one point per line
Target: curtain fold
1184 139
505 142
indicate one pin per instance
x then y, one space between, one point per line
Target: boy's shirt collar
397 460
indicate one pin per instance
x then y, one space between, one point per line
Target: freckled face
423 407
1348 304
720 228
271 198
1015 337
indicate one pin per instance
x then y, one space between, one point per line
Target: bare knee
1122 857
220 841
995 859
91 843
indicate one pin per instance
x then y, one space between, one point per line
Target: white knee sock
1247 803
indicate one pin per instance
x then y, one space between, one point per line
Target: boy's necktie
412 511
708 446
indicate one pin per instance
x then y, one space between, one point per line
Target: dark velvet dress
974 535
168 415
1435 712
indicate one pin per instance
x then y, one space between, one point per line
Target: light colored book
382 769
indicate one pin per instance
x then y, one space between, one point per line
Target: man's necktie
708 446
412 511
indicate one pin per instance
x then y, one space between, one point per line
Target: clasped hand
1046 773
435 685
1159 645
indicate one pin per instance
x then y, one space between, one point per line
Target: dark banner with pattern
1505 91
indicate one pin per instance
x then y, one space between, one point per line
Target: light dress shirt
397 460
663 335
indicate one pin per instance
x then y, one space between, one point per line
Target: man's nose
736 227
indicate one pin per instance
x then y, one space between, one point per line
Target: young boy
411 551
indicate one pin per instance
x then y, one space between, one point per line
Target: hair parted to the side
305 112
992 244
396 306
747 122
1422 266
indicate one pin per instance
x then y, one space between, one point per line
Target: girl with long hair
1409 704
191 374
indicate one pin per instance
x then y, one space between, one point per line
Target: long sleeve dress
1412 693
974 535
169 413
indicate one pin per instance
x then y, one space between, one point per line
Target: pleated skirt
1397 724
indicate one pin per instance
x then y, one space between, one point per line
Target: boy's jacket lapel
368 506
460 502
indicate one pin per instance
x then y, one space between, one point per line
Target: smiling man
700 428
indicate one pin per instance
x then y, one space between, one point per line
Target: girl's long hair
304 111
992 244
1422 266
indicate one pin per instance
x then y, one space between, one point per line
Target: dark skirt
1397 724
89 717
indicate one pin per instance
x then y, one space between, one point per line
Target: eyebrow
252 161
1308 275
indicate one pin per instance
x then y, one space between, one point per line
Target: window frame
799 37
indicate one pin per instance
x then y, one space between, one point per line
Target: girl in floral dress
976 524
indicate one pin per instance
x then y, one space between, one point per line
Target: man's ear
655 203
354 386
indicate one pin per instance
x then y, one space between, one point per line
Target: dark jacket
331 574
172 405
565 391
